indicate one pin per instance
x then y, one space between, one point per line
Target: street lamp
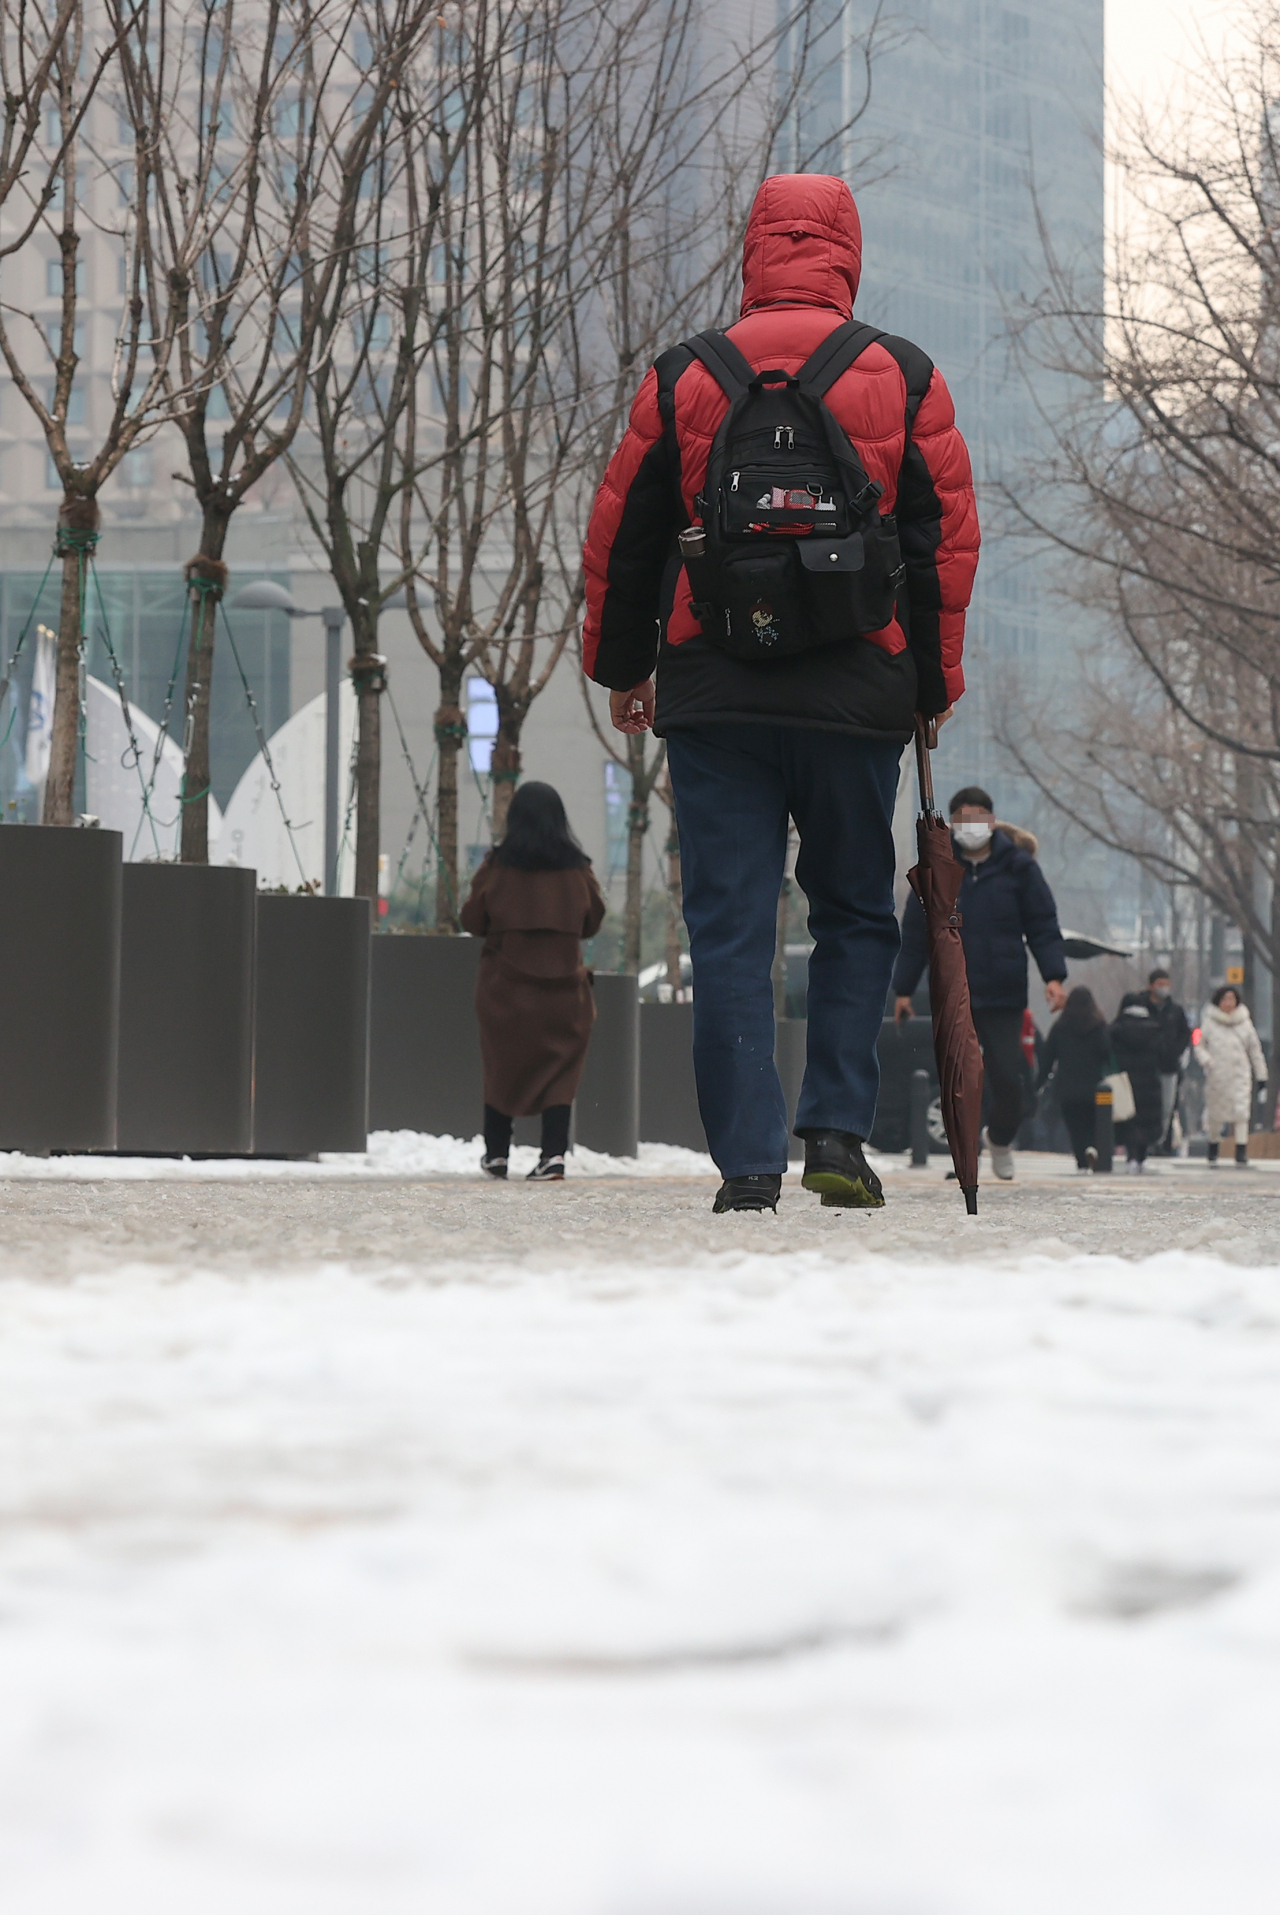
264 595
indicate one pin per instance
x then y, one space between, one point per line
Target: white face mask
973 836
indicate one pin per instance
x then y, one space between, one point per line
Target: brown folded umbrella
936 879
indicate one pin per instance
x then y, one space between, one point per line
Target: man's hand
940 718
633 711
901 1009
1056 993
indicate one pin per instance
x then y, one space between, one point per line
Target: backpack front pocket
762 605
846 590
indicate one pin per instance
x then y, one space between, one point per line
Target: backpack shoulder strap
835 356
916 368
730 368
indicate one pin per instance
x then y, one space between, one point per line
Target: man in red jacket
815 735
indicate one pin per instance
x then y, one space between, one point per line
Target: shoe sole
723 1210
839 1192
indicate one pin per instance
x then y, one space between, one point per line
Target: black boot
1213 1155
1242 1156
835 1166
759 1192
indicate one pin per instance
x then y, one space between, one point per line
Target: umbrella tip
971 1199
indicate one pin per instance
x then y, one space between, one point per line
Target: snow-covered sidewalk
749 1580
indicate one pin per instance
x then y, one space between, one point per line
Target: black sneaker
494 1166
547 1170
760 1192
835 1167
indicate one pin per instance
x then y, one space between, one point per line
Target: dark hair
1159 972
1081 1009
1222 990
538 836
971 795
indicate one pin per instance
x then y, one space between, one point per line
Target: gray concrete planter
60 986
606 1114
311 1073
188 943
424 1047
668 1093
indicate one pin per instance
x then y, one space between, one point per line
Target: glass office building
986 123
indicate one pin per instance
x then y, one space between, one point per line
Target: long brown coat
533 997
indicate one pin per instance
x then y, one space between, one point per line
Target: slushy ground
378 1541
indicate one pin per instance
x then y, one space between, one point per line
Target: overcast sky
1148 40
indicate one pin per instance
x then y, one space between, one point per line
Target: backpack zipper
778 432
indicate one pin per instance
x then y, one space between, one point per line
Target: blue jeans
734 786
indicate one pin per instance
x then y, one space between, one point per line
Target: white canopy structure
118 780
254 829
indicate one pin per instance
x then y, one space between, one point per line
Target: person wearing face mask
1006 909
1175 1042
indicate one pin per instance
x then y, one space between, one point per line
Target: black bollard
921 1090
1103 1128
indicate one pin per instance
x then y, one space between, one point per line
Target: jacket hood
803 245
1024 840
1214 1014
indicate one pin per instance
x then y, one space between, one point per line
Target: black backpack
793 551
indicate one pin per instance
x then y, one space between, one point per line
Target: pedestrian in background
1232 1060
1135 1040
1175 1041
1077 1055
533 900
1006 908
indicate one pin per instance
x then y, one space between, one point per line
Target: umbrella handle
926 741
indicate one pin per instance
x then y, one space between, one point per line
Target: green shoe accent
842 1193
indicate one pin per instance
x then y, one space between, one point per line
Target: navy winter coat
1005 907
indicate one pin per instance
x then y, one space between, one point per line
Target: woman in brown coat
533 901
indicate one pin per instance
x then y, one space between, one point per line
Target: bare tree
1163 500
58 76
358 457
573 238
256 137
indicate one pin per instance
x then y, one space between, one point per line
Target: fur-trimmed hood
1025 840
1233 1020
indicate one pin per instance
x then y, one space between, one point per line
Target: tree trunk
637 825
785 895
369 675
451 736
506 773
1273 1075
206 577
675 911
77 535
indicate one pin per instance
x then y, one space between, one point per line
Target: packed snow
391 1153
758 1582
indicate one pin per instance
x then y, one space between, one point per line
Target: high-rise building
981 148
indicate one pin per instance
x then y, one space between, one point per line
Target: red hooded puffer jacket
800 269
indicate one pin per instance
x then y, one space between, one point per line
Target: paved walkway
60 1226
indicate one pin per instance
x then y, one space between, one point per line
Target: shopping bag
1123 1106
